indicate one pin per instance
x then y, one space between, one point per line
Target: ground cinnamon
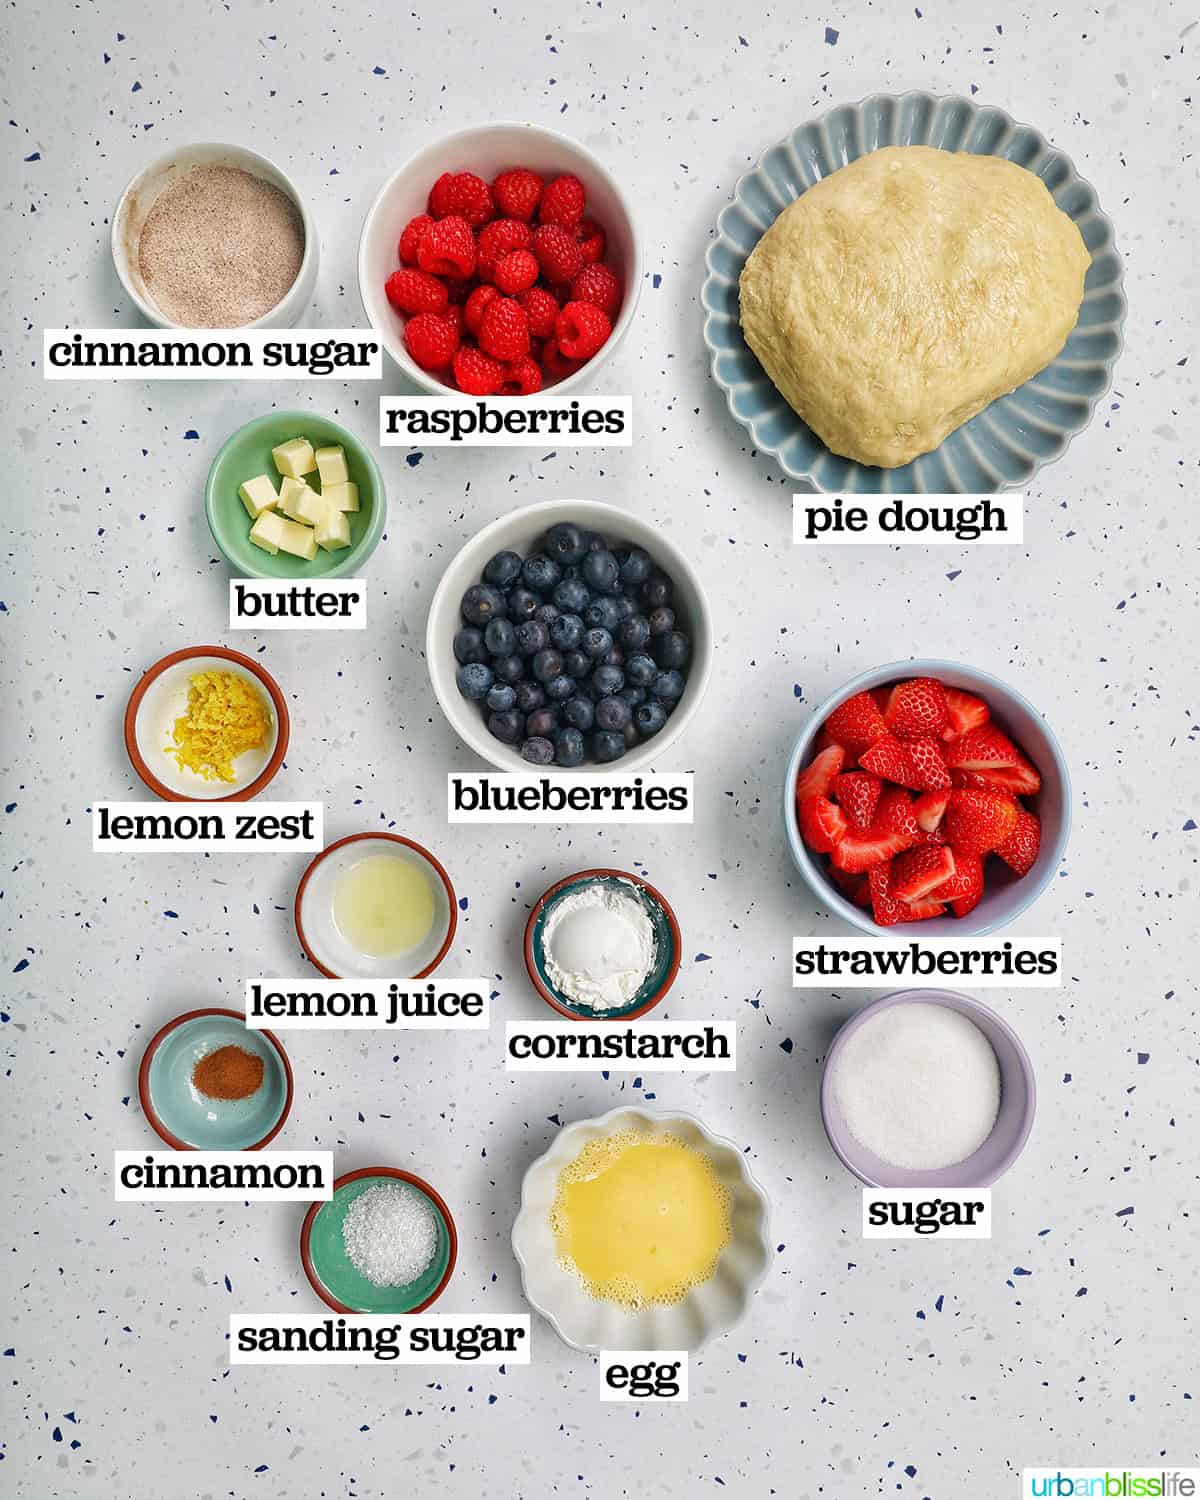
228 1073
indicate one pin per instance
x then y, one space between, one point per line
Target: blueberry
613 658
572 596
468 645
600 571
540 573
613 713
607 680
538 751
565 543
601 614
531 637
656 590
649 718
482 603
507 727
672 650
500 638
576 664
474 680
597 642
509 668
641 670
530 695
608 745
634 632
521 604
593 541
625 607
662 620
578 713
568 747
504 569
501 698
558 689
633 695
546 613
542 722
566 632
668 686
547 664
635 568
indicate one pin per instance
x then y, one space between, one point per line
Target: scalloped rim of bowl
566 1145
594 515
156 1042
713 275
548 995
633 278
899 671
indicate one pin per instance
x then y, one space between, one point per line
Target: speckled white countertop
863 1368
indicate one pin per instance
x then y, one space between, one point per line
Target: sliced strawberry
1020 849
886 758
856 724
863 851
963 712
921 911
981 749
960 779
888 909
965 883
880 696
855 888
920 871
822 825
929 808
857 794
916 709
977 821
961 905
926 768
1021 780
894 814
823 741
814 781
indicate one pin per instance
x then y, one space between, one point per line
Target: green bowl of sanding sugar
384 1243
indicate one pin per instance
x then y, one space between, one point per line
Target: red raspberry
476 302
459 288
516 272
498 239
555 364
521 378
557 253
517 193
447 248
562 202
581 329
431 340
412 291
454 317
411 238
541 309
475 373
504 330
462 194
597 285
592 241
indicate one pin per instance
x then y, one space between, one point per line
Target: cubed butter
309 508
333 530
258 494
295 458
331 465
341 496
267 531
291 492
300 541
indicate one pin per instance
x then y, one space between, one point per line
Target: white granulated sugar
390 1233
599 945
919 1085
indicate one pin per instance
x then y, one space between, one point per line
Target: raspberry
581 329
475 373
557 253
412 291
447 248
498 239
459 288
516 272
411 238
517 193
541 309
521 378
592 241
431 340
504 330
562 202
555 364
476 302
597 285
453 317
462 194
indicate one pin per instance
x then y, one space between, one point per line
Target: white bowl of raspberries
501 260
927 792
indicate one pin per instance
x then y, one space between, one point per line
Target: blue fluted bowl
1009 441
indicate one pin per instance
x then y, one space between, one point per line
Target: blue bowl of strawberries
930 792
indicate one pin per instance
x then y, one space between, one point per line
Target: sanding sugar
390 1233
918 1085
220 248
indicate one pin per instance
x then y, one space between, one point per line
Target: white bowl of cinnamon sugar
214 236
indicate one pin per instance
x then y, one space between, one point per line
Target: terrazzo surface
862 1368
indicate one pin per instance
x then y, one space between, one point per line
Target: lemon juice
383 905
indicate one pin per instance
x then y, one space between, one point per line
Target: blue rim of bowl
897 671
1022 431
369 540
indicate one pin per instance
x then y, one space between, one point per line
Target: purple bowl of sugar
952 1076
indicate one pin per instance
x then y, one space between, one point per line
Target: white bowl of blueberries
569 635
